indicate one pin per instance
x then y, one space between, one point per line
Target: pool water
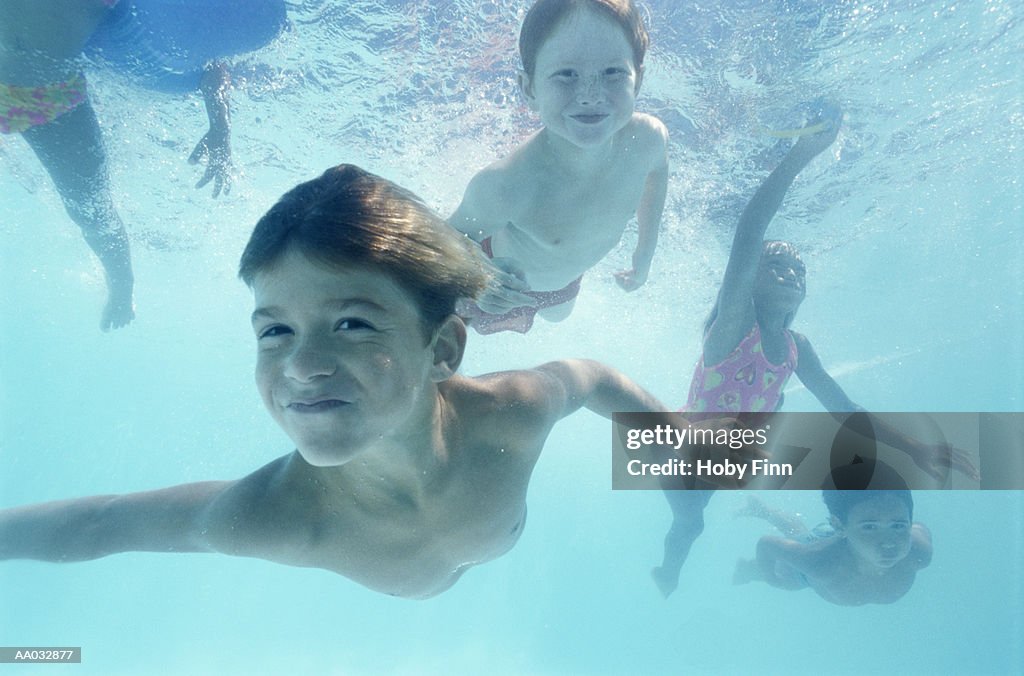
910 227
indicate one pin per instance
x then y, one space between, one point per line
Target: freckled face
584 84
342 360
878 531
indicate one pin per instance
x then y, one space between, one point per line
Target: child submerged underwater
871 555
44 97
560 202
749 351
355 284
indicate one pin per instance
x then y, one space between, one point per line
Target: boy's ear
639 79
448 345
526 88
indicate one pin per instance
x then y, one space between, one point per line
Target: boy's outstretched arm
576 383
164 520
579 383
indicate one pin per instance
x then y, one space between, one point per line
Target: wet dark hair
861 481
348 217
545 15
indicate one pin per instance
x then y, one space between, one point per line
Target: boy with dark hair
871 554
355 283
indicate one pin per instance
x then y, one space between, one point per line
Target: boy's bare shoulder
261 507
502 393
500 186
518 402
920 546
651 124
650 133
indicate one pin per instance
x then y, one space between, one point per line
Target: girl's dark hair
545 15
349 216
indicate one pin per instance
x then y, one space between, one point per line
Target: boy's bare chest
419 547
559 213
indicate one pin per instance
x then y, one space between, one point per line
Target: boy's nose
309 361
590 90
891 545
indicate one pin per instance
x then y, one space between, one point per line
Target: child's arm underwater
479 216
735 305
934 458
215 146
264 515
777 562
555 390
648 214
568 385
164 520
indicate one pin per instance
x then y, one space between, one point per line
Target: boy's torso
559 225
411 541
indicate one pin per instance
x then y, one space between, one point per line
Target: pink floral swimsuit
745 381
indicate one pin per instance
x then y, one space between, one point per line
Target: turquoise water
911 231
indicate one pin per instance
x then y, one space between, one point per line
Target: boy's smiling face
585 83
342 359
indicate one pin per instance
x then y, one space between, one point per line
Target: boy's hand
630 280
504 292
215 149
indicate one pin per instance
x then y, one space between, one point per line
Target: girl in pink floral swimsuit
749 351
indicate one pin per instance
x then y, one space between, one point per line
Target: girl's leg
687 525
71 150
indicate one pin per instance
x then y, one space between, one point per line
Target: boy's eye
273 331
565 74
352 324
615 72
